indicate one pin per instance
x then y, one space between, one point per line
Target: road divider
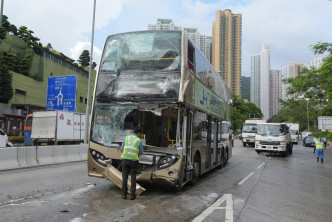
8 158
32 156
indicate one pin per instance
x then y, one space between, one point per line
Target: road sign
61 93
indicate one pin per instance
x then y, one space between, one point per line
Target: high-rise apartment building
275 91
290 71
226 47
164 24
255 79
200 40
316 63
265 81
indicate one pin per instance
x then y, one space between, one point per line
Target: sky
289 27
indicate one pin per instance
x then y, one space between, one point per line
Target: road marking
215 206
260 165
242 181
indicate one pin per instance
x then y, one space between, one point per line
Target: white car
4 139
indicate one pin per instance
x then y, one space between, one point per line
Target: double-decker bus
160 81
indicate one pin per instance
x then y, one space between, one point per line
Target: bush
16 139
320 134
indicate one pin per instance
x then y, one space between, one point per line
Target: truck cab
249 131
273 138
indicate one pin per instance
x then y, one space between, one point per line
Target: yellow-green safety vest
318 144
131 148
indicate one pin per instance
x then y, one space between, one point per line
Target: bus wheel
196 170
226 159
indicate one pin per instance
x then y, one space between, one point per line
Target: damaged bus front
159 81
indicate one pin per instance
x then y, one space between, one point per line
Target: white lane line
260 165
215 206
242 181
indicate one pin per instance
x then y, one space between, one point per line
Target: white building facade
265 81
290 71
315 63
275 91
255 79
164 24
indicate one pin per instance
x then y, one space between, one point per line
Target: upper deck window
142 51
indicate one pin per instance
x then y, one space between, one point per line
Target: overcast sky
290 27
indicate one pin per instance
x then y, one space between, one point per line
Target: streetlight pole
307 111
86 133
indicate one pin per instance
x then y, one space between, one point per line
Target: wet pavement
252 187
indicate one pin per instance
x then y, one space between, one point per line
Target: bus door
213 141
188 140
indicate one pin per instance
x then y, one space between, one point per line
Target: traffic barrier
73 153
27 156
8 158
84 151
45 155
59 154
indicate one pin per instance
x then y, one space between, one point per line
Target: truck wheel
244 144
258 151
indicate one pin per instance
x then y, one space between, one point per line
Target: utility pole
87 124
1 12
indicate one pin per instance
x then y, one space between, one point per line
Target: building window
20 92
86 101
81 99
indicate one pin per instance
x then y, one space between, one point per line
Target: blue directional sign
61 93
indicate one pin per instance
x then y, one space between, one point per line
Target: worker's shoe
124 197
321 160
317 159
133 197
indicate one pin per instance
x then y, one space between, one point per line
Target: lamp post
86 133
307 111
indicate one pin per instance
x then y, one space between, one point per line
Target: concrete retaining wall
23 157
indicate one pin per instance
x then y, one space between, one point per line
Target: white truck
325 123
53 127
294 131
273 138
249 131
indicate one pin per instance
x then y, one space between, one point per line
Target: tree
242 111
84 58
6 89
316 84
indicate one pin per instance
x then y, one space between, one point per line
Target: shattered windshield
108 124
249 128
270 130
142 51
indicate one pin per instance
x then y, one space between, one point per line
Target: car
309 141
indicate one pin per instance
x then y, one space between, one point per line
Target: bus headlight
167 161
98 157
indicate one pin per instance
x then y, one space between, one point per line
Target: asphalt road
252 187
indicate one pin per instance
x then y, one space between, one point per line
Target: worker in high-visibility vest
131 148
319 150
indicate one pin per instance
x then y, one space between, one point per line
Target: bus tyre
196 170
226 158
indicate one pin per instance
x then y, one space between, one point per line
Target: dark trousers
129 166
